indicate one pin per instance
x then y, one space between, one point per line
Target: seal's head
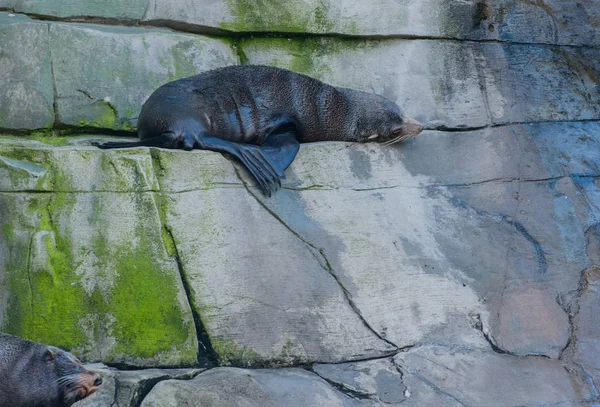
382 121
34 374
74 381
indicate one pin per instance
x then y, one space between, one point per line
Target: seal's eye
49 355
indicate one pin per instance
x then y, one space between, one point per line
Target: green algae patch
89 273
280 16
313 56
46 303
230 353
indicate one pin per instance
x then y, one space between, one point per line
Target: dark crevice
458 129
189 28
507 180
146 386
358 395
478 324
324 263
67 129
389 355
206 355
540 254
54 91
52 192
435 388
28 269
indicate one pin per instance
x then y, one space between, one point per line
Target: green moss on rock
73 294
279 16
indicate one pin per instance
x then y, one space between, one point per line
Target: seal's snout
413 127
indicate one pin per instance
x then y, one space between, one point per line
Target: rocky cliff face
459 268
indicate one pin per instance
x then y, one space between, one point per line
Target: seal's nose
413 127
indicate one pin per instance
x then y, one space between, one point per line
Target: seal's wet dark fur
259 114
36 375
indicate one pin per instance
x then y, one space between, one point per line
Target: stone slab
127 65
551 22
26 93
241 387
377 379
121 10
129 387
264 295
487 379
586 343
39 168
90 272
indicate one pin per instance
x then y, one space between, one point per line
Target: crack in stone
326 266
54 91
478 325
205 354
33 191
190 28
146 386
216 185
459 129
28 268
354 394
540 254
430 384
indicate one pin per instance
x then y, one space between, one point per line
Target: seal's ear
49 355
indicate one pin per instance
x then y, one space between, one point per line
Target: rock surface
240 387
26 94
548 22
459 268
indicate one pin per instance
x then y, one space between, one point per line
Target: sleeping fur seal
36 375
260 114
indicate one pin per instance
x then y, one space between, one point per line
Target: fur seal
260 114
36 375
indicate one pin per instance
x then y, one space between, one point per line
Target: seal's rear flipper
281 149
268 162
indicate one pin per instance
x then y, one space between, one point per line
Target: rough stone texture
447 83
265 296
460 268
127 65
476 378
548 22
586 347
84 266
122 10
128 388
240 387
452 84
377 379
26 94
